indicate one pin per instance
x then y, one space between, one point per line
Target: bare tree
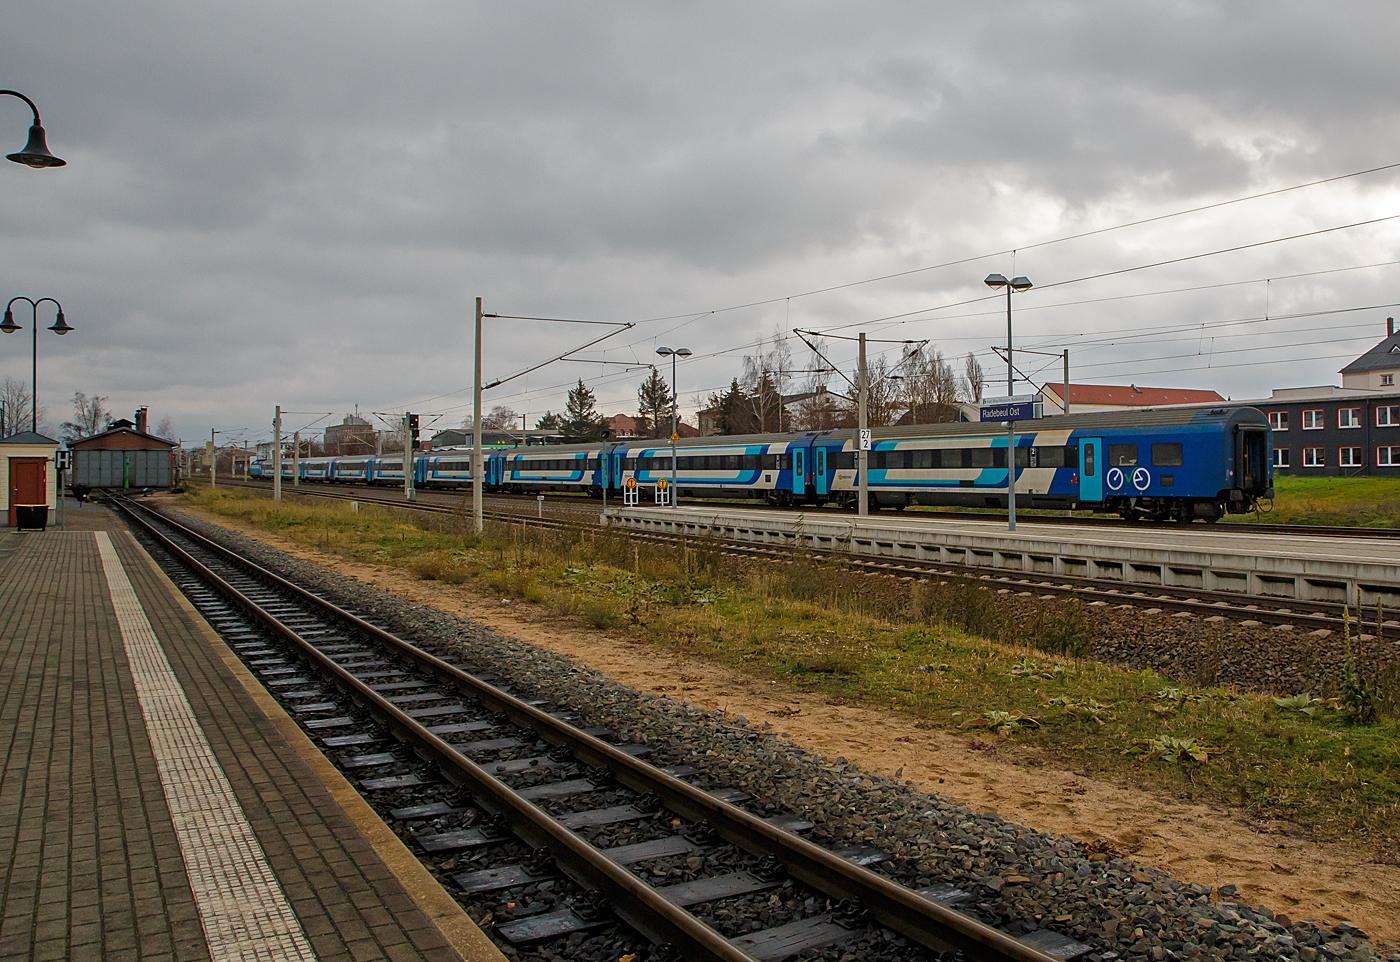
501 418
90 416
15 413
883 398
166 429
765 378
974 380
930 386
820 410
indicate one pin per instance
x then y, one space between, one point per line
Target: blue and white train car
351 470
554 467
1169 463
773 468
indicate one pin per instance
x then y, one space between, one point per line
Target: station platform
157 804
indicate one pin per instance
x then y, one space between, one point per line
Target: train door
820 477
1091 469
799 471
1251 458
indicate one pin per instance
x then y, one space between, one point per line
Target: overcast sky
297 203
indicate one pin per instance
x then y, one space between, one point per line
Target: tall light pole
9 326
1018 283
675 395
36 151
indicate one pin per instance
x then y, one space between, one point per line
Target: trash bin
31 516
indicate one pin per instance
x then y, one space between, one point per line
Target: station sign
1016 407
865 439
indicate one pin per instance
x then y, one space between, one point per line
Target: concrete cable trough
1318 569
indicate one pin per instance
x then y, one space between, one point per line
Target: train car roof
1133 417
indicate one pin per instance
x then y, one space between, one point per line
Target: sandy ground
1195 843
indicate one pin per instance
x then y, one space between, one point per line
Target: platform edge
445 912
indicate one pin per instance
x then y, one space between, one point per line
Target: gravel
1020 880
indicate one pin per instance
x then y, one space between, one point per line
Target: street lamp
1018 283
36 152
678 352
9 326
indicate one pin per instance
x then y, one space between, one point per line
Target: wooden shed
121 458
27 474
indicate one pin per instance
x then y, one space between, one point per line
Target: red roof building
1084 398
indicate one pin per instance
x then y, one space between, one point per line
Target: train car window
923 460
1071 455
982 458
1023 457
753 462
1122 455
1051 457
1168 455
1089 468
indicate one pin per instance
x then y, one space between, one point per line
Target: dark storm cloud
271 203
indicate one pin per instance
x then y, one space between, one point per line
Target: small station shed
121 458
28 478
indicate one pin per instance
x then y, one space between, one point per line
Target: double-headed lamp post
1018 283
675 395
9 326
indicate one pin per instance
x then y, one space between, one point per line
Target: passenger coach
1169 463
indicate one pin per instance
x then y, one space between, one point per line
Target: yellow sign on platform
675 436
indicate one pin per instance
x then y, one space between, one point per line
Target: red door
27 483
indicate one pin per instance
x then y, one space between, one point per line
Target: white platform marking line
242 907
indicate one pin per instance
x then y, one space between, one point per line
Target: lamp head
683 352
60 326
9 326
665 351
1021 283
996 281
36 152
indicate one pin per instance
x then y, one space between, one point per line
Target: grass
949 656
1361 502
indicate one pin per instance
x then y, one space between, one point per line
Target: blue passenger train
1168 463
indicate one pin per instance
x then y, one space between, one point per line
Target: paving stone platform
156 804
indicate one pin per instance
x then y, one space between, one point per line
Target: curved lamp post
60 326
1017 283
36 152
678 352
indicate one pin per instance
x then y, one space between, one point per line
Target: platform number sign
865 439
63 460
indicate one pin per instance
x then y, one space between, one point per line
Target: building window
1314 458
1349 457
1278 420
1388 456
1281 457
1387 380
1387 415
1312 419
1348 417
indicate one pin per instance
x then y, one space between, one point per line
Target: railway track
506 786
1306 615
587 505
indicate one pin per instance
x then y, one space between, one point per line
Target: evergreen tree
733 411
654 407
581 421
550 422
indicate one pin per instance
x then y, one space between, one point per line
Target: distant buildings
353 435
1330 431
